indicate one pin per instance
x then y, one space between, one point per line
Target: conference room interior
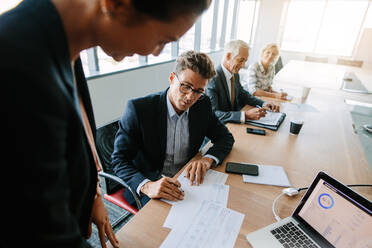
321 32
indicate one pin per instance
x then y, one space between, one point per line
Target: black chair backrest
105 138
278 65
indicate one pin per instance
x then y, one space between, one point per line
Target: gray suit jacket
218 92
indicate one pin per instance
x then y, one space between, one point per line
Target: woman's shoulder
254 66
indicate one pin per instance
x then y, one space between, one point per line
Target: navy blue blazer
218 92
140 143
50 180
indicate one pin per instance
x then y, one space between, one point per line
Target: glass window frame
314 46
93 63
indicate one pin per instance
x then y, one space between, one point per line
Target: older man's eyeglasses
186 89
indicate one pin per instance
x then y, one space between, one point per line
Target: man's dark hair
167 10
198 62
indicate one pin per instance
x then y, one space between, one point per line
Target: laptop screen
341 220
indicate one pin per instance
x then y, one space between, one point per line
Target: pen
259 107
174 184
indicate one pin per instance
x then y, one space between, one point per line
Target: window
107 64
327 27
165 55
6 5
206 29
212 29
84 62
187 41
246 20
368 21
229 22
219 23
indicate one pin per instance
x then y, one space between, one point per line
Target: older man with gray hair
226 93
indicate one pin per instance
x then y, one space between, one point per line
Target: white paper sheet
269 174
297 107
212 225
211 177
181 211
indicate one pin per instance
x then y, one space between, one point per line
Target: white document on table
212 225
182 211
212 189
211 177
269 174
298 107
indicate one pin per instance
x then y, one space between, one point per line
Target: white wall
110 93
268 24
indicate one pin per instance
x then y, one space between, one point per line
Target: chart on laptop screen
336 218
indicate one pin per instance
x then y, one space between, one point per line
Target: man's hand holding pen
166 188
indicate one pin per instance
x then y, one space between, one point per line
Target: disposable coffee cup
305 92
296 126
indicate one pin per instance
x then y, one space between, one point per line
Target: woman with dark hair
51 115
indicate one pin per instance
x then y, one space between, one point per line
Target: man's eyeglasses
186 89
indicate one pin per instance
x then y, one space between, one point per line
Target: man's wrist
140 186
242 117
209 160
144 187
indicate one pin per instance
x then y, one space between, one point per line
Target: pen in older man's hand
259 107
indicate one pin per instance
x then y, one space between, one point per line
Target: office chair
278 65
316 59
115 186
355 63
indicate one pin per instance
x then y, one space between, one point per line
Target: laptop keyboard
290 235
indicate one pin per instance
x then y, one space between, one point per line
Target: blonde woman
261 74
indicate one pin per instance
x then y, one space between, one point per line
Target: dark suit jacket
50 180
140 143
218 92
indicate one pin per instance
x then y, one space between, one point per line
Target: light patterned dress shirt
258 79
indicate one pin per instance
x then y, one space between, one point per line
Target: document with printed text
212 225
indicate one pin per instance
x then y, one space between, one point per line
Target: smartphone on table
241 168
256 131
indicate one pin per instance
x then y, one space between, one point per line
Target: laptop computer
351 83
329 215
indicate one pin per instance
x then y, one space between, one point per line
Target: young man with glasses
159 133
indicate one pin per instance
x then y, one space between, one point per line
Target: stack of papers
212 226
202 216
269 174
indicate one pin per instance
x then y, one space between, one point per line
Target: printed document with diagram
212 226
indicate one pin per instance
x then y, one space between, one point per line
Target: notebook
271 121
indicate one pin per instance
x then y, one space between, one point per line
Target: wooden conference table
320 75
326 142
